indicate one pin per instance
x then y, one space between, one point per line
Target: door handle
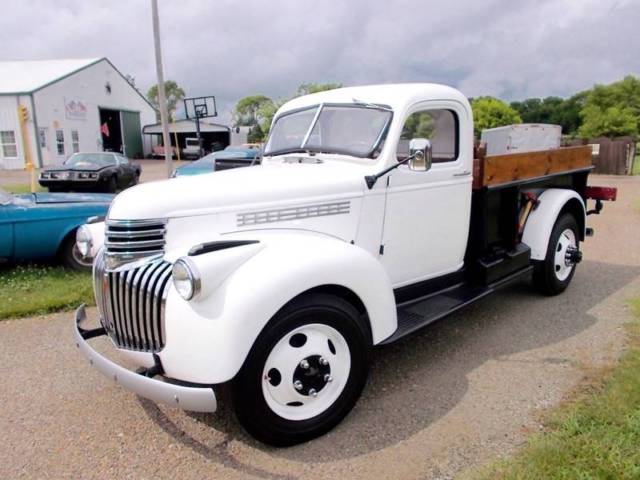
462 174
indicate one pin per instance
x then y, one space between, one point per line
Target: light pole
162 98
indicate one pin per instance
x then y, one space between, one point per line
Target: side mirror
420 148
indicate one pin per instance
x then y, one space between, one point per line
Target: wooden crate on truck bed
493 170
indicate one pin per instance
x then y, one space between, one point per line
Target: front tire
72 257
305 371
553 275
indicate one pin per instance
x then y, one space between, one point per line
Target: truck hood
259 186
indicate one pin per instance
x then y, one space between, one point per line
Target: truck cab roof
398 96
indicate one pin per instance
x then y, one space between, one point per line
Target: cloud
231 49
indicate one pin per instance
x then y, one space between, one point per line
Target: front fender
540 222
209 338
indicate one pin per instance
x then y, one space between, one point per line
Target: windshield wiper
284 151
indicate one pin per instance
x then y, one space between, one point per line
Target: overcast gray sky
233 48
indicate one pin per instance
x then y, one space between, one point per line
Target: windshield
350 129
5 197
80 159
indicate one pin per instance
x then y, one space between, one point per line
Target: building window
60 142
42 137
75 141
9 146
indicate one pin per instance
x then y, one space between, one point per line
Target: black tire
250 406
112 184
544 273
72 257
136 179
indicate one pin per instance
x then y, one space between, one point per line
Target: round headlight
84 240
186 278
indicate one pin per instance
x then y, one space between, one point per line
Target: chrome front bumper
194 398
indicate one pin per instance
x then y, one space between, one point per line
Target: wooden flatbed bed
501 170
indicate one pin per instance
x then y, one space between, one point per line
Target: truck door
427 213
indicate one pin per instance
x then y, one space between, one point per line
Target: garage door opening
111 130
121 132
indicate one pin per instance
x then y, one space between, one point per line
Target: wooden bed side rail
498 169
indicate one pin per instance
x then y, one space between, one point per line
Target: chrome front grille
131 302
127 240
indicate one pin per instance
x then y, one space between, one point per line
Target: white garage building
73 105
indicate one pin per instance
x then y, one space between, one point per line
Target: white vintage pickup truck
371 216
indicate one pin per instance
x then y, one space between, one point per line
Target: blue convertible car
36 226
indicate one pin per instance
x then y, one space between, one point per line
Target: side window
9 145
439 126
42 136
60 142
75 141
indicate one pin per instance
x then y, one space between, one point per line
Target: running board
416 314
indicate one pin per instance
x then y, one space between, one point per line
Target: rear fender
209 337
540 222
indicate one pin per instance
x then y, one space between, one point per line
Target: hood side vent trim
292 213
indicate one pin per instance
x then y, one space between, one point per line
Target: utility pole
162 98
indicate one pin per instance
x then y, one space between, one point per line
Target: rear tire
305 371
554 274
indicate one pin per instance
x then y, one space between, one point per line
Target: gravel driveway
458 394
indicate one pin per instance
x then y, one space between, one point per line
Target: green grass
594 436
22 188
33 290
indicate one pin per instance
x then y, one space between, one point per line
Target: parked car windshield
5 197
80 159
350 129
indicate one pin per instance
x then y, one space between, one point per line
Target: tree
608 122
247 111
255 135
553 110
173 93
489 112
307 88
257 111
612 110
569 114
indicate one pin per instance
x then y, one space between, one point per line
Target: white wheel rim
321 342
562 265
